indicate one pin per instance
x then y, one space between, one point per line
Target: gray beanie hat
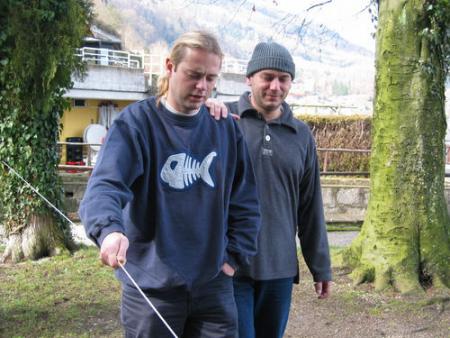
270 55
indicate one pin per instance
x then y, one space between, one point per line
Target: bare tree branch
235 13
319 4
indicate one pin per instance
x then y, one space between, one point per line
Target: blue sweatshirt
181 188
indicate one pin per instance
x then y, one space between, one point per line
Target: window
79 103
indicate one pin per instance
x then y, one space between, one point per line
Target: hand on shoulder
218 109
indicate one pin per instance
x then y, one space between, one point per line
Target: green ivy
437 32
37 45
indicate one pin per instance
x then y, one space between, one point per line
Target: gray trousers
207 311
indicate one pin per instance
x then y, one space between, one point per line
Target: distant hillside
326 63
148 22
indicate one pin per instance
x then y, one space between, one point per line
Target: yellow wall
76 119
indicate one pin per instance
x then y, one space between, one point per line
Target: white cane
148 300
73 224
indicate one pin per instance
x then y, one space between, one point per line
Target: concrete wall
345 200
74 187
115 79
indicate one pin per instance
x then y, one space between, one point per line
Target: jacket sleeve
312 228
108 191
244 219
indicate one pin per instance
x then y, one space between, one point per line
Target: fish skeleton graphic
181 170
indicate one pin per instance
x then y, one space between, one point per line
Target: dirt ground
349 312
354 312
362 312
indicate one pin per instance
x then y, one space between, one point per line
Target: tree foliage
37 57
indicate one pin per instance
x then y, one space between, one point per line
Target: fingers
323 289
217 108
318 287
122 253
220 111
326 290
228 270
114 248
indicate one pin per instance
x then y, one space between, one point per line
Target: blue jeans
263 306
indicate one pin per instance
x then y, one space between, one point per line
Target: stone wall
74 186
345 199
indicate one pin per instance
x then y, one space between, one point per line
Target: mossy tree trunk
37 57
39 238
404 240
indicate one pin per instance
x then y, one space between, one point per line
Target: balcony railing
151 64
110 57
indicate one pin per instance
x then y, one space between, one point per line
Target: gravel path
341 238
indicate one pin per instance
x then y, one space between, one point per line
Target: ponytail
163 87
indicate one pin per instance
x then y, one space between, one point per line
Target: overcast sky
349 18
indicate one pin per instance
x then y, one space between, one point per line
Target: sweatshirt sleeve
312 228
244 219
108 191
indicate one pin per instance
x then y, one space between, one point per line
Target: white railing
152 64
110 57
235 66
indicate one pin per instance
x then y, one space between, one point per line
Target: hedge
341 132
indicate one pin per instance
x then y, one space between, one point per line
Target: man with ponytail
174 196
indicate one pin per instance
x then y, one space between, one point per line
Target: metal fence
325 152
110 57
151 64
90 150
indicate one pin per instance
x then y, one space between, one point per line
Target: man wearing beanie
284 158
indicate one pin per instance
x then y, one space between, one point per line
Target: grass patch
64 296
335 250
344 226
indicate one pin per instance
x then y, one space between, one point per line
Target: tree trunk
404 241
41 237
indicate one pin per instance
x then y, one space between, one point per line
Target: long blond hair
194 40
